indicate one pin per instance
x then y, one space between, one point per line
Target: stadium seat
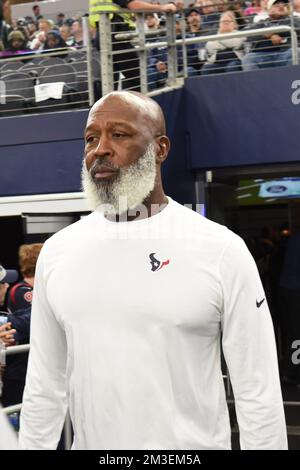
10 66
19 83
59 73
52 61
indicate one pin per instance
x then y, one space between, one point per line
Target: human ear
164 147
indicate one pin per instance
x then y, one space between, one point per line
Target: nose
103 149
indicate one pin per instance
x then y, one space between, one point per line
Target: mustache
102 166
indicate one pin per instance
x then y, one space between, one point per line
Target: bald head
148 110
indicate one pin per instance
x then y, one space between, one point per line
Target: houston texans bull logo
156 265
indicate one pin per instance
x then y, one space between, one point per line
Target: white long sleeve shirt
126 326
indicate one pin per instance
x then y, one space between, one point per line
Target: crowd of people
207 17
36 33
27 35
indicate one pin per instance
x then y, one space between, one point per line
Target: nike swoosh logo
258 304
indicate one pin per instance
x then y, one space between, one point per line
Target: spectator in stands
179 4
195 52
237 8
263 14
17 44
296 7
151 21
60 19
37 12
210 17
77 33
5 29
253 9
65 33
158 61
40 38
125 63
23 27
274 49
32 29
224 55
221 5
194 21
55 41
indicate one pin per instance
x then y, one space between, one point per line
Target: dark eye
90 139
118 135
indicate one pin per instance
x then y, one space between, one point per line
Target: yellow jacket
96 6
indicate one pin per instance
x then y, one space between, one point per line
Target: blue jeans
232 66
257 60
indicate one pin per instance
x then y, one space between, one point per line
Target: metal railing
50 80
171 44
12 350
121 55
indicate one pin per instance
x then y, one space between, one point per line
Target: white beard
127 191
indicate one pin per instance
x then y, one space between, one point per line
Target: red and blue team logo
28 296
156 265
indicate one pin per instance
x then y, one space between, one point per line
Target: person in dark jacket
14 375
272 50
17 43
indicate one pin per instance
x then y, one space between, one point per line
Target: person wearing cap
55 41
272 50
194 20
17 43
151 21
7 277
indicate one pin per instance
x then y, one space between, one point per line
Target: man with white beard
129 307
